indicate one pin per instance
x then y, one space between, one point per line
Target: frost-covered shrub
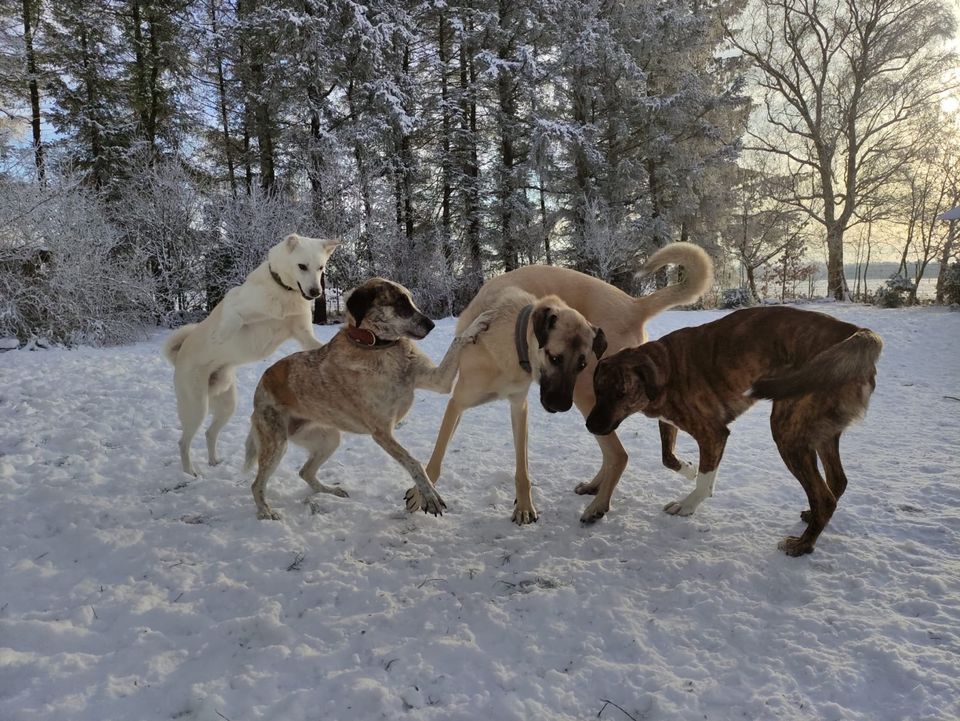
64 273
736 298
245 228
951 284
892 292
157 211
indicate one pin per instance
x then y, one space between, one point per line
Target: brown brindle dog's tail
852 359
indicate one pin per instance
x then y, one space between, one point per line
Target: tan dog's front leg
430 500
524 511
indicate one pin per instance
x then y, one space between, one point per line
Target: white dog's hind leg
192 409
223 406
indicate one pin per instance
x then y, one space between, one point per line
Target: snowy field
131 593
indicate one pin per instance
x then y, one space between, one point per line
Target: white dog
271 306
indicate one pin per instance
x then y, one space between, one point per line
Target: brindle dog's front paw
795 546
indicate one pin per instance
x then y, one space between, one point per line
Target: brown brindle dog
819 372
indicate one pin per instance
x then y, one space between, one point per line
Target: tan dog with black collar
530 339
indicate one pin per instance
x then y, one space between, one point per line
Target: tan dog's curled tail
698 277
176 339
851 359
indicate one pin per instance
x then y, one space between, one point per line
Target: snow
131 592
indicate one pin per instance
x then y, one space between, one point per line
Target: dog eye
302 267
555 359
583 363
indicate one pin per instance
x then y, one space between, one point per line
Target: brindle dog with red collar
819 372
362 382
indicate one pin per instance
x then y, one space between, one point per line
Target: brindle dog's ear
651 375
359 302
544 319
599 341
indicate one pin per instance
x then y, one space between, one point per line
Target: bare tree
762 228
843 83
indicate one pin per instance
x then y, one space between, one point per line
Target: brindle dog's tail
852 359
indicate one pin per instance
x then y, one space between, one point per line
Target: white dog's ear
292 241
331 244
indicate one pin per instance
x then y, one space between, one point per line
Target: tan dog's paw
268 514
480 324
523 516
594 512
586 489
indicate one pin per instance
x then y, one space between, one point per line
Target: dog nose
314 292
428 324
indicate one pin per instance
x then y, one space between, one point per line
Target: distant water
927 290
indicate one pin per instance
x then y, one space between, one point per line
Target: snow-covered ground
129 592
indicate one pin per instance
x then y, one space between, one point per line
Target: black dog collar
276 278
520 337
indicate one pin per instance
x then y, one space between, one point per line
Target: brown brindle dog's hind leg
792 424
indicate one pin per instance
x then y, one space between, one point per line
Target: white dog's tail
176 339
251 449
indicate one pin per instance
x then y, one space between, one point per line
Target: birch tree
841 83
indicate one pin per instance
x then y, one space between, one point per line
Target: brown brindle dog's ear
599 341
544 319
651 369
359 303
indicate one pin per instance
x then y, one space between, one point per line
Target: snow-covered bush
64 272
244 229
951 284
891 295
158 211
736 298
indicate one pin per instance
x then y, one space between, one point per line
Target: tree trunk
836 281
751 282
471 163
446 183
34 89
222 99
945 260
